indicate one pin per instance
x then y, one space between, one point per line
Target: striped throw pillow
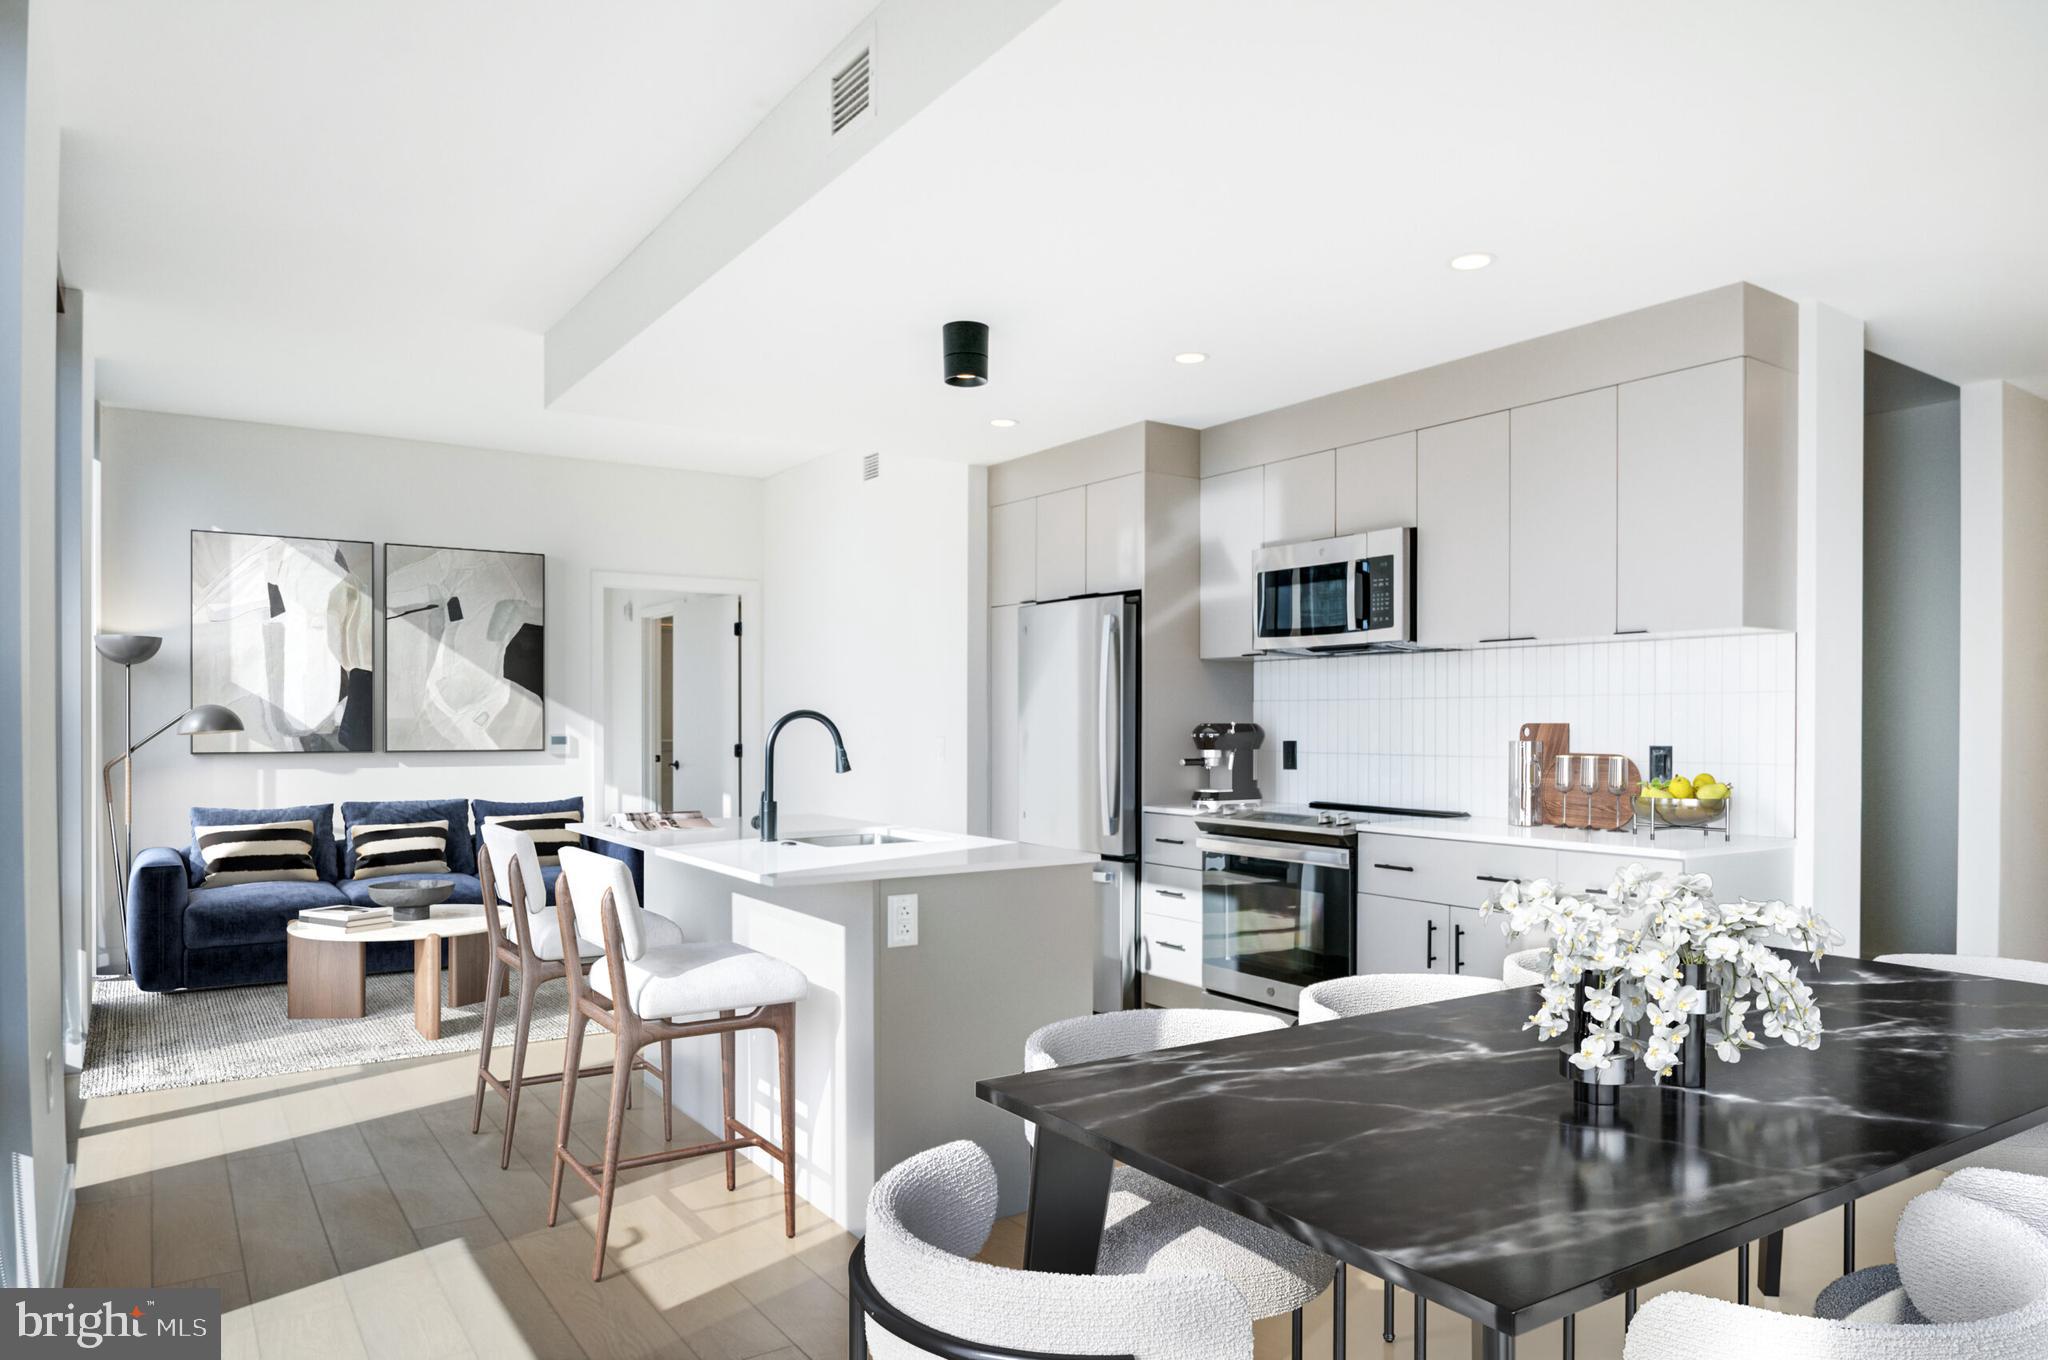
262 852
550 831
400 848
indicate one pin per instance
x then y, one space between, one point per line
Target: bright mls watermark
171 1324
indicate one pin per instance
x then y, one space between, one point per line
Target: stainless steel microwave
1336 594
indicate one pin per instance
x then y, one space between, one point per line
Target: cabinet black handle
1519 637
1397 868
1169 944
1596 892
1166 840
1457 949
1171 892
1429 948
1629 632
1495 878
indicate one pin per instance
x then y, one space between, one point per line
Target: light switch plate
902 920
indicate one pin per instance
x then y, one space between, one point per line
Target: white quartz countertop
1670 843
732 848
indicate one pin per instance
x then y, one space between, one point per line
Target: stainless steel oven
1279 909
1336 594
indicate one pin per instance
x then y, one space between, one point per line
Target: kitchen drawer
1582 874
1172 893
1458 873
1171 840
1171 948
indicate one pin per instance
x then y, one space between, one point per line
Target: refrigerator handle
1109 735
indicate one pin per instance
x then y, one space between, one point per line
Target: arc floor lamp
128 650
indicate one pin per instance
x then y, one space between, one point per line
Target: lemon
1701 780
1715 790
1681 787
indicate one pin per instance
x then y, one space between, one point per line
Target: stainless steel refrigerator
1077 701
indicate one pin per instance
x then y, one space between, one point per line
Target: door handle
1429 948
1457 949
1109 735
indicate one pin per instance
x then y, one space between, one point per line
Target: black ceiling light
966 353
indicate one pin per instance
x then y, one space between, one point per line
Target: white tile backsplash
1431 729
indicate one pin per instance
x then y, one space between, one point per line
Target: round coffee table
325 975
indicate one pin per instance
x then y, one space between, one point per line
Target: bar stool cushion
1525 968
504 846
695 979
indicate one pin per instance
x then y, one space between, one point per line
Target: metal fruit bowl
1681 811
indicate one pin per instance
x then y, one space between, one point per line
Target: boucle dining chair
1366 994
1977 1275
644 993
1152 1227
535 953
917 1291
1524 968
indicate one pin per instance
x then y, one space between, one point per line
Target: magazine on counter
691 820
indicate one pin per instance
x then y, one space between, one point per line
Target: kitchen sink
844 839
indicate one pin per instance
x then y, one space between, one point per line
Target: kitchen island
891 1039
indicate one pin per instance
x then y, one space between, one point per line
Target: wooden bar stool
639 980
535 950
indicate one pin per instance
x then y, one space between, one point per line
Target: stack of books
347 920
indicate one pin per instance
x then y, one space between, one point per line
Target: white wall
165 476
1432 729
1828 861
31 959
2002 732
873 594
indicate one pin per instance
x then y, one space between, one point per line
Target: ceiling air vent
850 91
871 467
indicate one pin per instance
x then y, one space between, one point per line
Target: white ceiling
317 224
363 215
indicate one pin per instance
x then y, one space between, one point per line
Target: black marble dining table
1439 1148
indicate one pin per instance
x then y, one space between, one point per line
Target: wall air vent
871 467
850 91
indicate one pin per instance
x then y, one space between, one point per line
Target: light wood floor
351 1213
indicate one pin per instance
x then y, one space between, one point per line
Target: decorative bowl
1682 811
411 899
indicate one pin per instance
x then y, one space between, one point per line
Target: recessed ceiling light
1478 259
1002 422
1191 357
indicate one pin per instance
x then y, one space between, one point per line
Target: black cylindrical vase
966 346
1691 1073
1593 1087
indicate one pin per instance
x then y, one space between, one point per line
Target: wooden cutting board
1600 809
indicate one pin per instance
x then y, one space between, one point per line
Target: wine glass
1589 777
1617 782
1561 779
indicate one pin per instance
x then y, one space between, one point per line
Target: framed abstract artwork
281 634
464 656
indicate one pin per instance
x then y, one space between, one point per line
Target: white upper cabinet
1562 525
1062 535
1233 528
1707 466
1462 527
1301 498
1376 484
1116 535
1013 552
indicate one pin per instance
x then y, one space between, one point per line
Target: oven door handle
1286 852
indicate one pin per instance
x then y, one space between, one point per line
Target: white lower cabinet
1170 948
1398 935
1478 945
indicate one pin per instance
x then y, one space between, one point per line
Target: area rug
152 1041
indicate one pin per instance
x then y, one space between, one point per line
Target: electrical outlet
902 920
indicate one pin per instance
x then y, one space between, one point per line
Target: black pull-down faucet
766 821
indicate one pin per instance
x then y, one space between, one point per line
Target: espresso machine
1227 754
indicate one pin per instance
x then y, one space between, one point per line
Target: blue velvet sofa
184 935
